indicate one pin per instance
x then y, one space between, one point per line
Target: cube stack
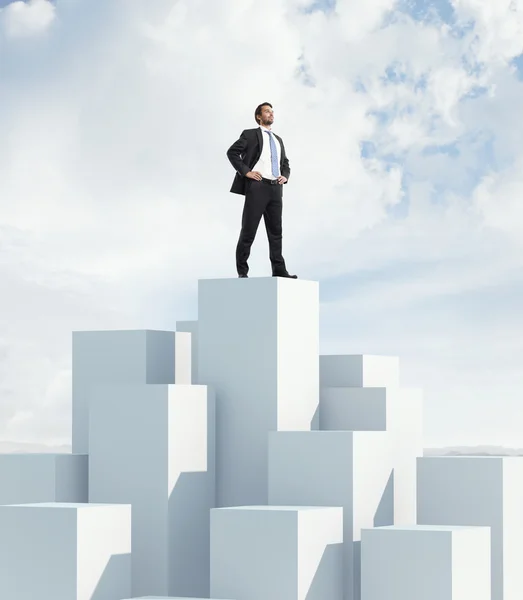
229 460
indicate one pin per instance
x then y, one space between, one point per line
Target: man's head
264 114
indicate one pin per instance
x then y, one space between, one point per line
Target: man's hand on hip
254 175
282 179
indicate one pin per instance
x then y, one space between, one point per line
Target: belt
269 181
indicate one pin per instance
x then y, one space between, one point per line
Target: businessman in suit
262 169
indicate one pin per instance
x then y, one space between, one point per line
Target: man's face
267 115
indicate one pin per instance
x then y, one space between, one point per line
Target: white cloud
21 19
498 27
498 199
358 19
115 184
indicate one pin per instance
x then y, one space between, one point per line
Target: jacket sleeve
285 169
236 152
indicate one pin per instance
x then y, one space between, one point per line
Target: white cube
258 344
192 328
372 409
398 411
31 478
358 370
153 446
479 490
425 563
281 553
61 551
335 468
141 356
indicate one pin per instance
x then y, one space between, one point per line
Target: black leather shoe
242 276
285 275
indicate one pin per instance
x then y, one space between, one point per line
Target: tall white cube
281 553
335 468
61 551
153 447
398 411
258 347
425 563
192 328
31 478
479 490
141 356
359 370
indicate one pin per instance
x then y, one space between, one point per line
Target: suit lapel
282 150
260 138
260 146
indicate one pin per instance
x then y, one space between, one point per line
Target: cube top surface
266 280
42 455
361 356
465 457
345 437
69 505
274 508
432 528
327 433
112 331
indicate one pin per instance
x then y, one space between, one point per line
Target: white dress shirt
264 164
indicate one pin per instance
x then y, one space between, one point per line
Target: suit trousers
261 199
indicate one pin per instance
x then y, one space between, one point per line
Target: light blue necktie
274 155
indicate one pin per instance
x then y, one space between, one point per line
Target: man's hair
258 111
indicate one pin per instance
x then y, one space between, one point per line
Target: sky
402 123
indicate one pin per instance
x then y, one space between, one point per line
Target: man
262 168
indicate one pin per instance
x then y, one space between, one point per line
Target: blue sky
402 124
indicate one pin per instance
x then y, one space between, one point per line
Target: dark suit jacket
244 154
